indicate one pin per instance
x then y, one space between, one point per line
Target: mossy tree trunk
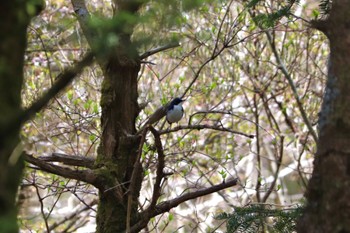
328 194
14 19
119 144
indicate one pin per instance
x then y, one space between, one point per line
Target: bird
175 111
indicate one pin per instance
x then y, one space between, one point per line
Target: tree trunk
15 17
119 145
328 194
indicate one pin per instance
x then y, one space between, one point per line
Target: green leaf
70 94
315 13
92 137
170 217
95 106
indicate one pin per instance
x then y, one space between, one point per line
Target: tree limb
168 205
159 49
86 175
199 127
81 161
160 167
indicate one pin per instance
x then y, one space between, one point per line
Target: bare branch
168 205
81 161
159 49
199 127
132 187
86 175
160 167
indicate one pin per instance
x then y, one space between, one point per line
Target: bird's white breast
175 114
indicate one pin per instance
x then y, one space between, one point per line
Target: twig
159 49
279 162
45 217
220 27
258 156
199 127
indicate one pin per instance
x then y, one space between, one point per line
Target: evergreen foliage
268 20
256 217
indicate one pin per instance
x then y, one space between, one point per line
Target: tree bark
119 146
14 20
328 194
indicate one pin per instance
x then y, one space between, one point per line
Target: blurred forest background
253 92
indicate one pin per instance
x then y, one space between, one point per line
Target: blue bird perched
175 111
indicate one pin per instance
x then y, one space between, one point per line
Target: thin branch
199 127
81 161
62 82
159 49
301 18
284 70
279 162
215 52
86 175
45 217
258 155
228 113
288 120
168 205
196 75
228 8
